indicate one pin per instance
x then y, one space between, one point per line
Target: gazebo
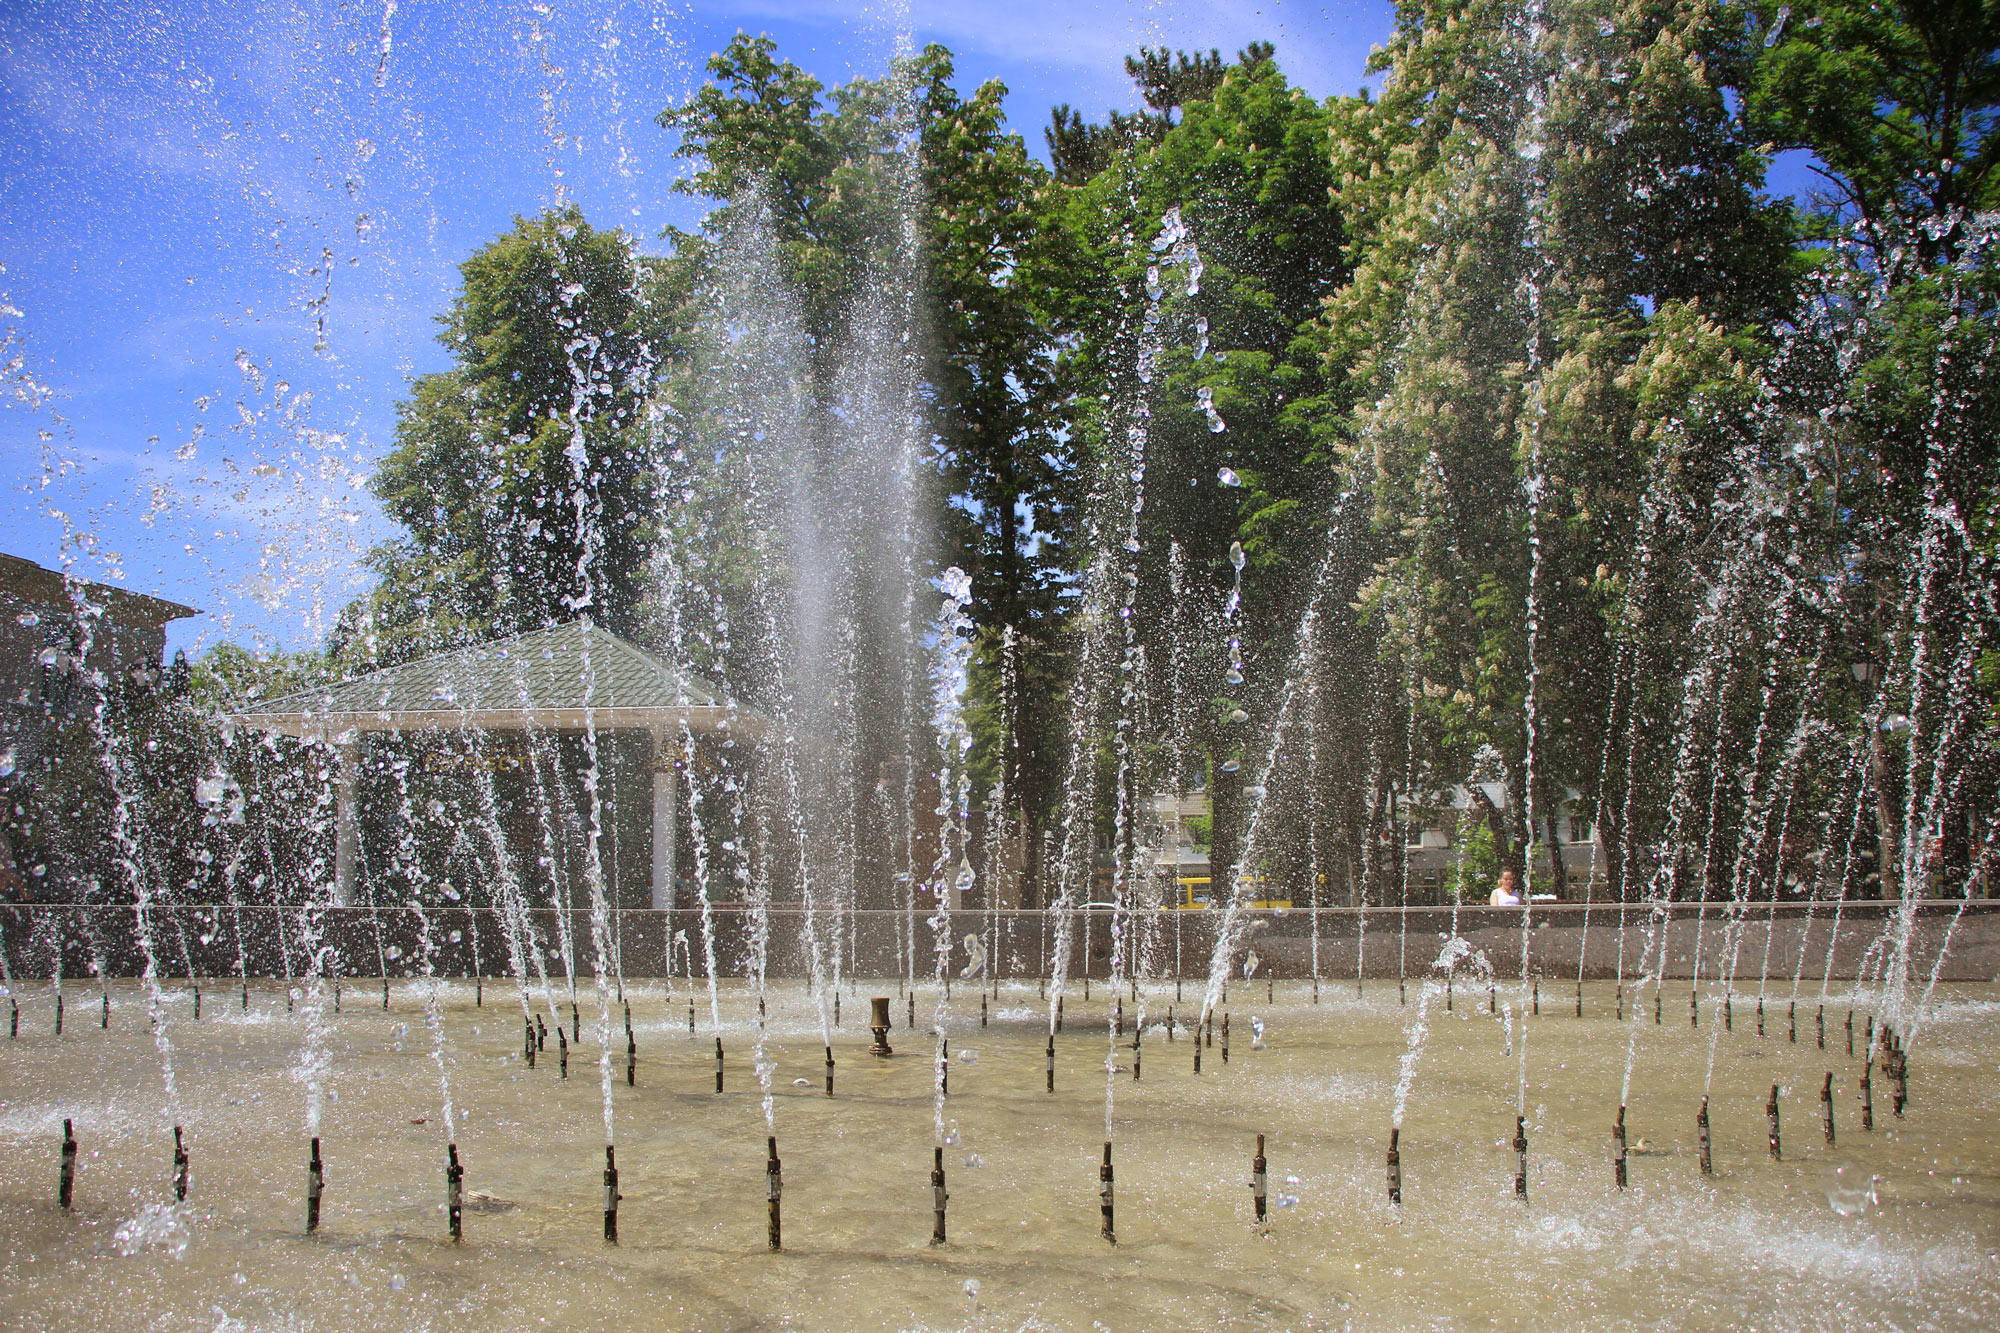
566 678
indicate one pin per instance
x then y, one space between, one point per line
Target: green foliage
521 476
1897 102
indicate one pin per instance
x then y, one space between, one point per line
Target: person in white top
1507 893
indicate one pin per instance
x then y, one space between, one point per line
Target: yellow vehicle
1191 894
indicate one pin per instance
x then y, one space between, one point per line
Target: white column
346 822
664 780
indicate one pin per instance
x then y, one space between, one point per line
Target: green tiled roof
558 670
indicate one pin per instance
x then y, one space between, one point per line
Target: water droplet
1238 716
1236 554
1227 476
7 762
28 618
972 1283
397 1282
1230 765
1233 676
1153 282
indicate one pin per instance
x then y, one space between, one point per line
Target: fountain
760 611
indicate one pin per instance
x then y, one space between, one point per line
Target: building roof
563 678
27 582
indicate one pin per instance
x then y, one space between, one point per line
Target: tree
521 476
1896 102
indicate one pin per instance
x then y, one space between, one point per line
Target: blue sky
225 230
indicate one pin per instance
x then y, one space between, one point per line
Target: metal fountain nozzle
878 1023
